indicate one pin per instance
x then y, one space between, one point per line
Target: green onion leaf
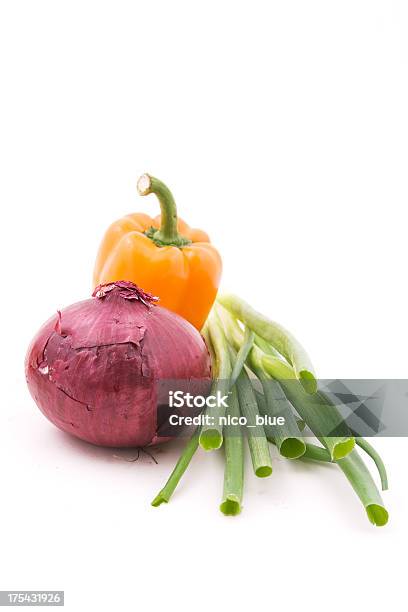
281 339
360 479
267 348
366 446
211 437
234 462
242 355
319 413
287 437
181 466
257 442
363 484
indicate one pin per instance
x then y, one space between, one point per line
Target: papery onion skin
93 368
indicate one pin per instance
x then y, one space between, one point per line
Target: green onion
312 451
282 340
242 355
236 339
363 484
267 348
234 462
359 477
181 466
321 417
317 453
317 411
211 437
287 436
261 401
280 363
257 442
366 446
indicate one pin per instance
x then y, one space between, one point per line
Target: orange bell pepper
163 255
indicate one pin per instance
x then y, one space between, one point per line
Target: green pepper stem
167 235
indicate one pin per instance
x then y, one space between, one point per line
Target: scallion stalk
318 412
370 450
317 453
357 473
311 451
267 348
363 484
284 342
242 355
234 461
322 417
182 464
257 442
287 436
211 437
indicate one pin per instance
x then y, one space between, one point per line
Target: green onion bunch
267 372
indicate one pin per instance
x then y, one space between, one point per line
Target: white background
282 129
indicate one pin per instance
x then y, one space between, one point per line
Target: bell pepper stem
168 234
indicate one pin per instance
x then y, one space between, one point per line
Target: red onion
93 369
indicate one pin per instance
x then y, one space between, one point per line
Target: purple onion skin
93 368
